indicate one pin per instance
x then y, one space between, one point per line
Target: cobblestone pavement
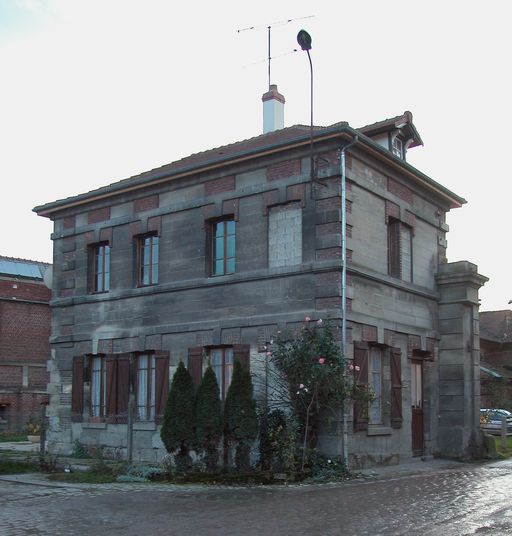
460 500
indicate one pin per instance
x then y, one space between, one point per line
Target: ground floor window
146 370
376 366
221 361
98 386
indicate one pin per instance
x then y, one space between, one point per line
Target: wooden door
417 407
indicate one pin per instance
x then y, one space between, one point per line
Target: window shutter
161 383
361 380
396 388
122 387
77 389
394 248
242 353
111 390
195 364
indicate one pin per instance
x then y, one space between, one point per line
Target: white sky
94 91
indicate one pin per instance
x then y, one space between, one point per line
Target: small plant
80 450
33 426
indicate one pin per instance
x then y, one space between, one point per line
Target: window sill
95 425
378 430
146 425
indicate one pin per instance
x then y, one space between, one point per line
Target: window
146 376
399 250
221 361
98 386
285 235
223 247
375 410
147 260
100 256
398 147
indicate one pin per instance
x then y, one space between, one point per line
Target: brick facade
24 347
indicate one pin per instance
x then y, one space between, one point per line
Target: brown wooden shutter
195 364
242 353
122 387
394 248
361 380
77 389
396 388
161 383
111 390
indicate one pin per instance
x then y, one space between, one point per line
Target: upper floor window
399 250
100 277
147 260
223 247
398 147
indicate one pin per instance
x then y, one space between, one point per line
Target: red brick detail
24 291
389 338
100 214
155 225
331 203
106 235
68 222
106 346
430 345
38 377
348 206
328 253
24 331
348 231
410 219
283 169
348 161
333 302
146 203
392 211
269 198
369 333
328 229
135 228
331 158
208 212
349 305
68 244
231 206
348 254
328 278
69 256
297 192
11 375
218 186
349 280
400 190
413 343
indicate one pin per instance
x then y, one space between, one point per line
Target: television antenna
269 27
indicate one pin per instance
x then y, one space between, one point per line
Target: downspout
344 291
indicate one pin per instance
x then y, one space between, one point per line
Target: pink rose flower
358 368
307 319
321 360
301 386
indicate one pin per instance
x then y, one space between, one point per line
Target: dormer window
398 147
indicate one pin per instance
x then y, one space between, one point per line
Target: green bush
208 419
240 418
178 423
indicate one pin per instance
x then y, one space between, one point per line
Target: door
417 407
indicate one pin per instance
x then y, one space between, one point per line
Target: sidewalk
19 446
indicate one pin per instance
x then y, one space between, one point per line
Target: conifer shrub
208 419
240 418
177 431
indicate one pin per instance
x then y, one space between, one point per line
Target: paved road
460 501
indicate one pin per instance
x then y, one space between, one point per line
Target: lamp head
304 40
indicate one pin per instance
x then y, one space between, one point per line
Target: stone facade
286 249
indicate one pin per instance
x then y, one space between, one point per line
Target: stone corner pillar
459 360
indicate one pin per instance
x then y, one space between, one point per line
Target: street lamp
304 40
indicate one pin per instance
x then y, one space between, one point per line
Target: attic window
398 147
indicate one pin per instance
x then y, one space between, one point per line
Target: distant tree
208 419
240 418
178 423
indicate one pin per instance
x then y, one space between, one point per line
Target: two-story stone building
204 259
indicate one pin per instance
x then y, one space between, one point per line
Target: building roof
402 122
496 325
264 144
22 268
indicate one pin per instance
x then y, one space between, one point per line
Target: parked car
490 420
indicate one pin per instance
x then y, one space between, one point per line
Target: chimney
273 110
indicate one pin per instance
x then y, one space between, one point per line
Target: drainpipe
344 289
